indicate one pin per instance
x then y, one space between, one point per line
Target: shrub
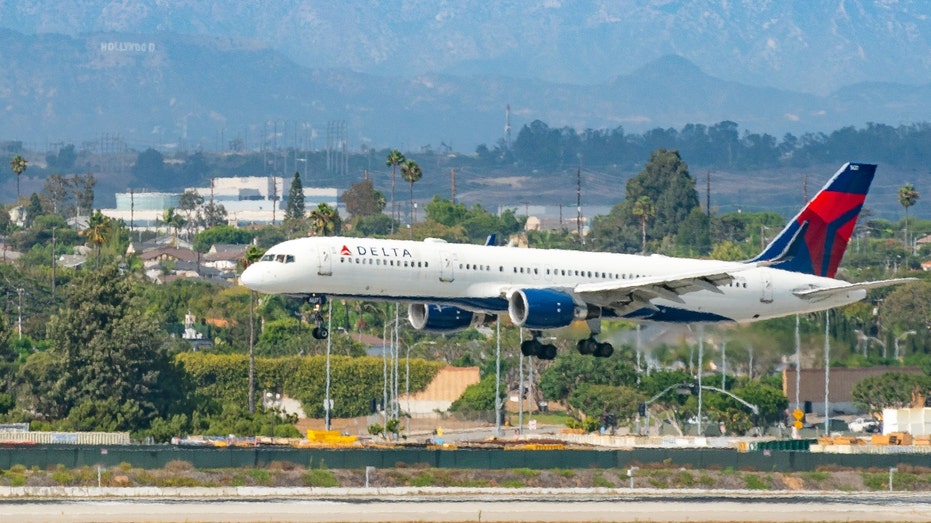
319 478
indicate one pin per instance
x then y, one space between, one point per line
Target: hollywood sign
127 47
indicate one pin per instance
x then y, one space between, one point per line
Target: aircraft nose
252 278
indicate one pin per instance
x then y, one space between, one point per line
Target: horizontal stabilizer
812 294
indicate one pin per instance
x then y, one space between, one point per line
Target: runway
517 506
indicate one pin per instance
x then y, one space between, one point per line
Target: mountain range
410 74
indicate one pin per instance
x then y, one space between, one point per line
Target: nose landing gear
320 331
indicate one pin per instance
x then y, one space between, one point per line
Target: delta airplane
452 286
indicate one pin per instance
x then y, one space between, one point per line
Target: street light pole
701 351
498 381
329 343
407 379
19 323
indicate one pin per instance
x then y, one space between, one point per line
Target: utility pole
578 201
53 263
19 322
708 193
452 177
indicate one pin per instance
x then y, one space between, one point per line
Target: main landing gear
597 349
534 347
320 331
547 351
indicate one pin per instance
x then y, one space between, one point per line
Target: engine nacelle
441 318
545 309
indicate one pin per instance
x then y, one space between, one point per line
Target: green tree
214 214
112 360
893 390
57 191
643 209
34 209
150 165
411 172
666 181
394 159
99 231
594 400
64 160
252 255
18 164
693 234
325 220
361 199
295 209
174 220
570 370
478 397
908 196
907 307
83 187
190 204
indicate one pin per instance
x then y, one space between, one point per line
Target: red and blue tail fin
815 240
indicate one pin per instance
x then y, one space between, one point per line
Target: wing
631 295
824 292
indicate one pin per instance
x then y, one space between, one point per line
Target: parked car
864 425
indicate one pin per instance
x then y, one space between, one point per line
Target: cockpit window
280 258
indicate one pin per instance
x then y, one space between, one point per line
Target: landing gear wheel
547 352
320 333
587 346
603 350
529 347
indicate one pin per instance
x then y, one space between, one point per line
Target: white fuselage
480 278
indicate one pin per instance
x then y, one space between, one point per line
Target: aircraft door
325 262
766 287
446 267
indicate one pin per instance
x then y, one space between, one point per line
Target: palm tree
18 165
411 172
251 256
644 210
98 232
395 158
907 197
324 220
175 221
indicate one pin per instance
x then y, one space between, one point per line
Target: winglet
814 241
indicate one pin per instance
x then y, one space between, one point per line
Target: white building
247 200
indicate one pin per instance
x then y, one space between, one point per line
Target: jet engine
547 309
441 318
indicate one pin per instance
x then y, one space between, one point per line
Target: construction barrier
157 456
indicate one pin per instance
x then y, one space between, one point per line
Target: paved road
403 505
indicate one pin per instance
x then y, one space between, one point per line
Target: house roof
225 252
173 253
